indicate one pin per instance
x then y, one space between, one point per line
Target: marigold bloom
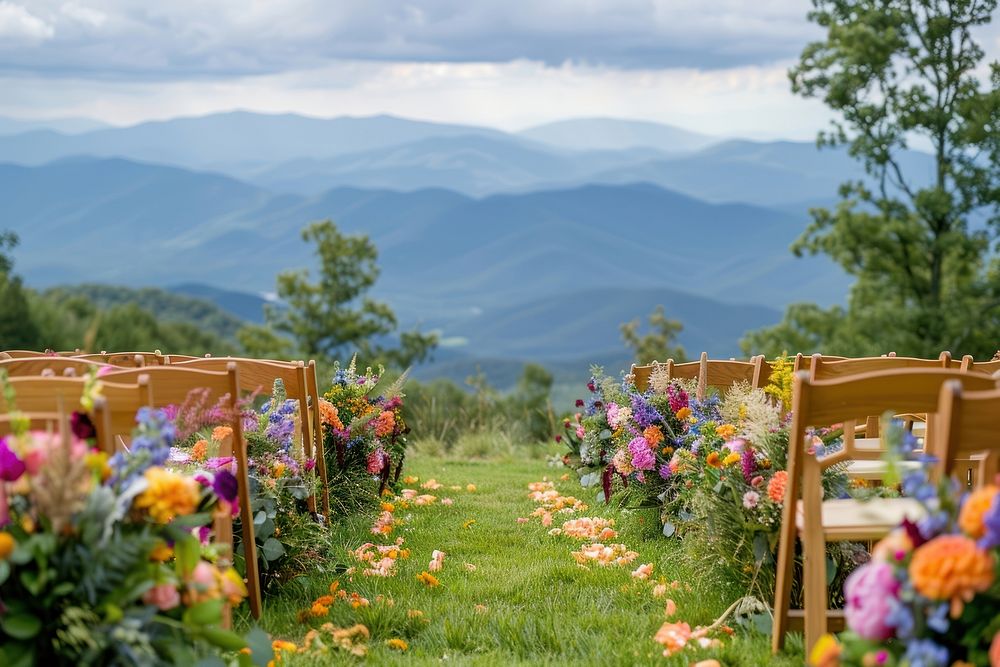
199 452
161 553
318 609
220 433
168 495
731 459
970 520
825 653
428 579
471 488
725 431
7 545
951 567
329 415
683 413
713 460
653 435
397 644
776 486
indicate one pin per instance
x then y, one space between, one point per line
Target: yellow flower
428 579
334 586
468 524
397 644
279 469
730 459
98 464
414 613
388 507
726 431
684 413
7 544
410 479
471 488
168 495
318 609
826 652
283 645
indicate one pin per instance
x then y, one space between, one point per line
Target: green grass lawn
527 601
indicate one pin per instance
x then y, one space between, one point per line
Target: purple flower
664 471
749 464
991 525
225 485
11 467
642 457
926 653
643 413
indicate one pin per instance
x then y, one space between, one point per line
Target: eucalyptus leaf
260 646
669 529
272 549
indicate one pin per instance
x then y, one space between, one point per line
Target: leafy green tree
17 329
901 73
332 317
530 405
659 344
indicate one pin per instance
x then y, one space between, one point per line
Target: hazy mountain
229 141
443 255
246 307
470 164
63 125
616 134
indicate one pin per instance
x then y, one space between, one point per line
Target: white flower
750 499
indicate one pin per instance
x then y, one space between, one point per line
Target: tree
657 345
17 329
901 73
332 317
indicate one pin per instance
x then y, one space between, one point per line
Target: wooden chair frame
57 366
716 373
824 402
968 425
170 385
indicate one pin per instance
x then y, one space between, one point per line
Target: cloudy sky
716 66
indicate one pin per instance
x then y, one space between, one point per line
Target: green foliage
332 317
897 72
659 344
17 330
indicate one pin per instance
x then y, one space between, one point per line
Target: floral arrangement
713 468
930 596
290 539
106 561
364 436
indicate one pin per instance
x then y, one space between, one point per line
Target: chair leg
814 555
786 558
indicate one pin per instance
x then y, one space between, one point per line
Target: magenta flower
11 467
642 456
225 485
870 592
81 426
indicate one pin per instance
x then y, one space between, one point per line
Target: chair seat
854 520
875 470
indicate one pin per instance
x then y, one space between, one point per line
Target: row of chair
45 386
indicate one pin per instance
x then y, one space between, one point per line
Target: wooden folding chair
815 521
44 398
127 359
170 385
312 385
54 366
968 429
987 367
722 374
256 374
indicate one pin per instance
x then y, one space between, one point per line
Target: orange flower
329 415
161 553
653 435
951 567
318 609
200 450
397 644
325 600
776 487
725 431
7 544
220 433
976 505
385 423
334 586
428 579
713 460
683 413
673 636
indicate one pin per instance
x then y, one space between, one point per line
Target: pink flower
756 481
522 519
547 519
580 432
437 561
750 499
643 571
659 590
203 575
670 609
642 456
163 596
869 593
447 501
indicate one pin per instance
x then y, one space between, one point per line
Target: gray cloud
184 38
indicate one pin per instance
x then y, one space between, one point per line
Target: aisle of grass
527 601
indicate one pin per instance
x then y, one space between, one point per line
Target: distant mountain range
301 155
514 246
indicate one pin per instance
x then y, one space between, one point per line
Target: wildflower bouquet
930 595
364 436
100 559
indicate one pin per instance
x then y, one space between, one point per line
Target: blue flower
933 524
991 525
900 617
938 620
926 653
153 437
340 377
643 411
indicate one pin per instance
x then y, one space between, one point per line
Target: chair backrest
45 398
26 354
127 359
969 424
722 374
825 370
818 403
803 362
987 367
67 366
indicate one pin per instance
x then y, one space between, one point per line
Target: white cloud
746 101
84 15
20 26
